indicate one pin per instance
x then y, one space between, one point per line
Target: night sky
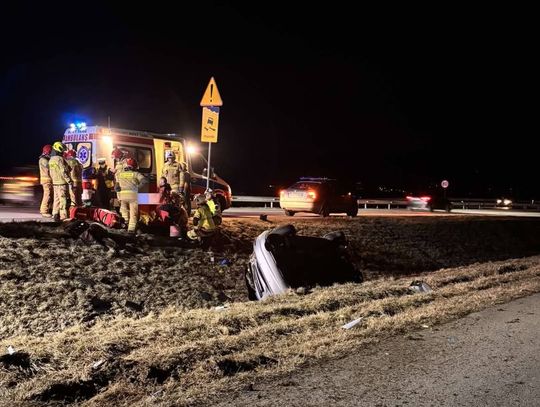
395 97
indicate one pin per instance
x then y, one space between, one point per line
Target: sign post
444 184
210 103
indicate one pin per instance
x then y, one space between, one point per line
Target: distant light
107 139
81 126
507 202
191 149
72 128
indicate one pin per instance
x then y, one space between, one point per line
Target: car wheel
448 208
353 212
431 209
325 211
222 202
289 213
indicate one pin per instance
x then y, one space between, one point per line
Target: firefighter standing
172 171
61 181
119 159
203 221
75 172
45 181
105 184
185 186
129 181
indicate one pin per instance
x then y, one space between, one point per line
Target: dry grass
179 350
179 358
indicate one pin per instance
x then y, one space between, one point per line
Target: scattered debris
301 291
420 286
97 364
221 307
352 323
11 350
225 262
425 326
263 218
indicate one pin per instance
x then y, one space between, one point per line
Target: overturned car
282 260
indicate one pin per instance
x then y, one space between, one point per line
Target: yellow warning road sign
211 95
210 122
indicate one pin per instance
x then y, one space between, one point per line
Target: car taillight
312 194
409 198
425 198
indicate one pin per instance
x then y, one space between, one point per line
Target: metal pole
209 167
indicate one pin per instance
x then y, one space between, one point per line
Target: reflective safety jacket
172 171
128 183
59 171
75 170
44 175
203 218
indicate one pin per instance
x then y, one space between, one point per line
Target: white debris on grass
352 323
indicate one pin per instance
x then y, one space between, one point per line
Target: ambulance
149 149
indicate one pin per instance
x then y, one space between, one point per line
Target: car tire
288 213
325 211
430 207
222 202
353 212
448 208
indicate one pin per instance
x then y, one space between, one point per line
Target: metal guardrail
256 199
396 203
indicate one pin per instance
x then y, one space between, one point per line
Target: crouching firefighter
204 226
127 187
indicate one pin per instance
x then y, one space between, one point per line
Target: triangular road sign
211 96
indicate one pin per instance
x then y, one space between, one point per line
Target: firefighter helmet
71 153
117 154
169 154
200 199
59 147
131 163
47 148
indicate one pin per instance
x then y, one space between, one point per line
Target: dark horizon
403 98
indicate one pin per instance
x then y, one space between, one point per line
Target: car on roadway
20 186
503 203
322 196
428 202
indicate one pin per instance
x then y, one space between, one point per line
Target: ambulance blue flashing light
73 127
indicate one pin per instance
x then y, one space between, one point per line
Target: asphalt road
489 358
21 213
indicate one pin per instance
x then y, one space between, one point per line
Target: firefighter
213 205
172 171
185 186
61 181
75 172
204 226
118 157
129 182
105 184
45 181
